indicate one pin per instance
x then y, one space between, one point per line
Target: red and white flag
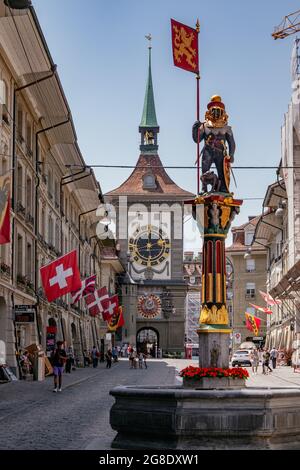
87 286
94 301
269 299
61 276
262 309
5 208
110 307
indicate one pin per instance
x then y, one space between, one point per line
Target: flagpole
198 114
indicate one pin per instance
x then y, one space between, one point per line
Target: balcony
20 209
5 270
29 219
25 284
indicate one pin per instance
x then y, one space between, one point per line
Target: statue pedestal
214 346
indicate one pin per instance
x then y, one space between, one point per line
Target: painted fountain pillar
214 328
218 211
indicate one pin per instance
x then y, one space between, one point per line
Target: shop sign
24 313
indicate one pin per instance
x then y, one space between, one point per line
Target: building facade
53 206
149 210
249 277
281 233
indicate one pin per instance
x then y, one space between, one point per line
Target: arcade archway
147 341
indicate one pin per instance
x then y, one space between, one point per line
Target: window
43 223
29 261
4 101
28 195
50 184
57 235
56 193
20 184
20 255
20 124
29 136
248 238
250 290
250 265
50 230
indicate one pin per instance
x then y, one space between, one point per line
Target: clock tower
149 209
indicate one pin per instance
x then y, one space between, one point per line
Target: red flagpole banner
88 285
269 299
5 209
185 47
186 56
116 320
253 323
262 309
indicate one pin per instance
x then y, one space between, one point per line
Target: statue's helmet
216 111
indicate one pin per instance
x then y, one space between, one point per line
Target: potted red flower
213 377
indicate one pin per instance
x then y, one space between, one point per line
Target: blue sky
101 53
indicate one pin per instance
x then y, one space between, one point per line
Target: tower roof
149 114
164 185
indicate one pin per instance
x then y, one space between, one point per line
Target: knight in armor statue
219 145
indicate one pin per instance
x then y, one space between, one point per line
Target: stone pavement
33 417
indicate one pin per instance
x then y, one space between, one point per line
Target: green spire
149 114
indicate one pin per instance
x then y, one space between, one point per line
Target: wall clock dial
149 246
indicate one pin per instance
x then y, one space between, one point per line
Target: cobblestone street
33 417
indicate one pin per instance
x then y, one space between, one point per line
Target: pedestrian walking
95 357
145 360
273 357
141 360
108 357
86 359
131 358
69 361
59 357
25 365
254 360
266 360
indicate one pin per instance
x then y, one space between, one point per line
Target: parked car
241 357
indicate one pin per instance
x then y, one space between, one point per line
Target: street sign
237 338
24 313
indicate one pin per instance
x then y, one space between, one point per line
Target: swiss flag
110 307
61 276
94 301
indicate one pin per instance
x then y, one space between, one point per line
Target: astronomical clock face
149 306
149 246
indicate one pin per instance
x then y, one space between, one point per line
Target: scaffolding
193 306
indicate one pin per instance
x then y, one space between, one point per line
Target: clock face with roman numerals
149 246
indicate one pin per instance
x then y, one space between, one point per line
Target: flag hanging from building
110 308
116 320
262 309
5 208
253 323
87 286
269 299
61 276
94 301
185 47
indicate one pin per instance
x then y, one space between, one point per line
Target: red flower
199 372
